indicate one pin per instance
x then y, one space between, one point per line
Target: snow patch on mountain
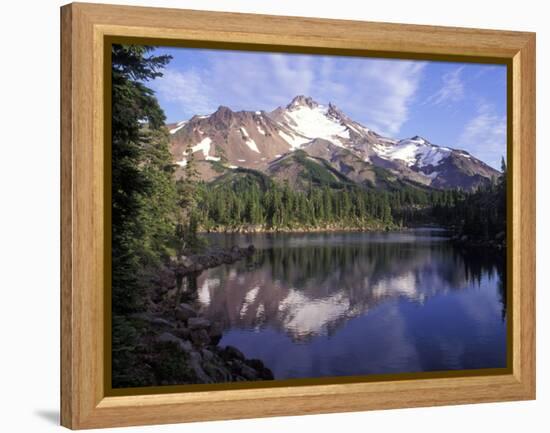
203 146
413 151
252 145
249 142
353 128
315 123
387 141
294 141
464 154
179 125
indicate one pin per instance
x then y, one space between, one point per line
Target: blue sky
460 105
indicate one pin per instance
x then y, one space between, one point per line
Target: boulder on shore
200 337
232 352
199 262
198 323
215 332
183 345
185 312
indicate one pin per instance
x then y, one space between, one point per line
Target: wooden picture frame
85 402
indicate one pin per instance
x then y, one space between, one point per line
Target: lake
339 304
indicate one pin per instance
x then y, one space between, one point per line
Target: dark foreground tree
143 194
144 201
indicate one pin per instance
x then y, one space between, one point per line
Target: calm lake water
333 304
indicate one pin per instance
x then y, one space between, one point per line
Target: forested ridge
249 201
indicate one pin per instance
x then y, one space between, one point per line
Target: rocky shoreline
178 337
305 229
184 349
185 265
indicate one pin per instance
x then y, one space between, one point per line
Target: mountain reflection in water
331 304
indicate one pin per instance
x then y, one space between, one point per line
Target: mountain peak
253 139
223 109
418 139
223 115
302 101
334 111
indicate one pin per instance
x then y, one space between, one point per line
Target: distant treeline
480 214
243 202
251 201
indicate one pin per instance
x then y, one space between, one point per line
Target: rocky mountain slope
284 142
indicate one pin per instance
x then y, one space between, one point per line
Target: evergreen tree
143 201
188 215
140 169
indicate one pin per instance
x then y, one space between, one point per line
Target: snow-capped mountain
226 140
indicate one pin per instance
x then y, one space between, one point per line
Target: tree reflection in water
329 293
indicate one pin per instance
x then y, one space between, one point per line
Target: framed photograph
265 215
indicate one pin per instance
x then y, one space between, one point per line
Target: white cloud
187 88
255 81
377 92
485 135
452 89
